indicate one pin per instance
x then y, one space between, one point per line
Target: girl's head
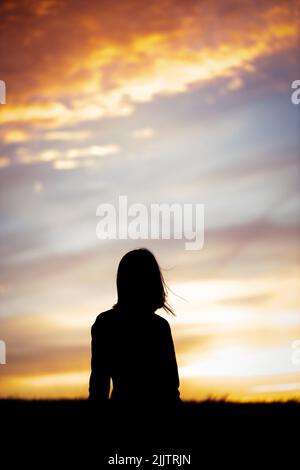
140 283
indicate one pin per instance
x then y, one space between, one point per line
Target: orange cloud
101 63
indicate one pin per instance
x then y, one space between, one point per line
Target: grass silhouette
218 430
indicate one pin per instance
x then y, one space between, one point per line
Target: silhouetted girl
131 345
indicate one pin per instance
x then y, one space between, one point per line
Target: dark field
215 434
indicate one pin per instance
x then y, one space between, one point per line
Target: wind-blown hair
140 283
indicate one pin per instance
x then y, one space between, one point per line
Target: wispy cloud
143 133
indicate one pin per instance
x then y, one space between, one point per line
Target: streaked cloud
143 133
67 135
38 187
4 162
26 156
94 151
114 73
284 387
15 136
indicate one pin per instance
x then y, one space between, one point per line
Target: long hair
140 282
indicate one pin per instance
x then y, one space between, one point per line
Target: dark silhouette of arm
100 374
172 377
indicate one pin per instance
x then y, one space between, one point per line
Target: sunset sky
163 101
